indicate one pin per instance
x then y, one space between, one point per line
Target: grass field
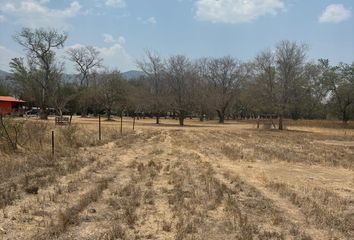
202 181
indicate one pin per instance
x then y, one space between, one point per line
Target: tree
224 75
290 59
180 73
154 69
339 81
202 96
40 74
86 60
110 91
63 94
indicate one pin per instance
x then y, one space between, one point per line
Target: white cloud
115 3
150 20
236 11
6 56
335 13
108 38
114 56
2 18
35 13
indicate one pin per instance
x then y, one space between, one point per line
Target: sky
122 30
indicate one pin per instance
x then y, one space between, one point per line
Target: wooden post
99 127
121 123
134 122
53 146
258 122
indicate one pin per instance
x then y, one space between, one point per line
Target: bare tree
63 94
154 69
290 59
39 45
339 82
224 75
266 81
86 60
180 74
203 100
110 91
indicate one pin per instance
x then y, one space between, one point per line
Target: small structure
266 120
63 120
11 105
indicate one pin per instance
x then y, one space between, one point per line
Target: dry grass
205 181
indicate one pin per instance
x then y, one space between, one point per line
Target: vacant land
202 181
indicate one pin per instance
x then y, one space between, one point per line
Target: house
9 105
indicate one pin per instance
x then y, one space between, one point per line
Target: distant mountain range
127 75
3 74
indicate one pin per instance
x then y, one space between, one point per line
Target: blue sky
122 29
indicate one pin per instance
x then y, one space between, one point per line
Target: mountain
132 74
3 74
71 77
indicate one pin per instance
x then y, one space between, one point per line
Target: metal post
53 143
121 123
134 122
99 127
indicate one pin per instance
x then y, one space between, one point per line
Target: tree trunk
109 113
345 118
181 119
281 122
43 114
158 118
201 117
221 116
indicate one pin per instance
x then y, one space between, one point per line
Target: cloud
115 3
236 11
2 18
114 56
6 56
150 20
35 13
335 13
108 38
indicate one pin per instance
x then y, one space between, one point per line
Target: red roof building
9 105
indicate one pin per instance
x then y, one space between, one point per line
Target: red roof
10 99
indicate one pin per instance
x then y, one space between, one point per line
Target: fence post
99 127
134 122
53 143
121 123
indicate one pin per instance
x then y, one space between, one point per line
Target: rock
2 231
92 210
32 190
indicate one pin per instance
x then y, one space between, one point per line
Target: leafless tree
203 98
290 59
339 83
224 75
86 60
180 73
154 69
111 91
39 45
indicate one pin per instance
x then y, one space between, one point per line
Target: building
10 105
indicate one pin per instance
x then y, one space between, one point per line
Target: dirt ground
202 181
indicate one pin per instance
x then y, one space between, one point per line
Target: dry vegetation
203 181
